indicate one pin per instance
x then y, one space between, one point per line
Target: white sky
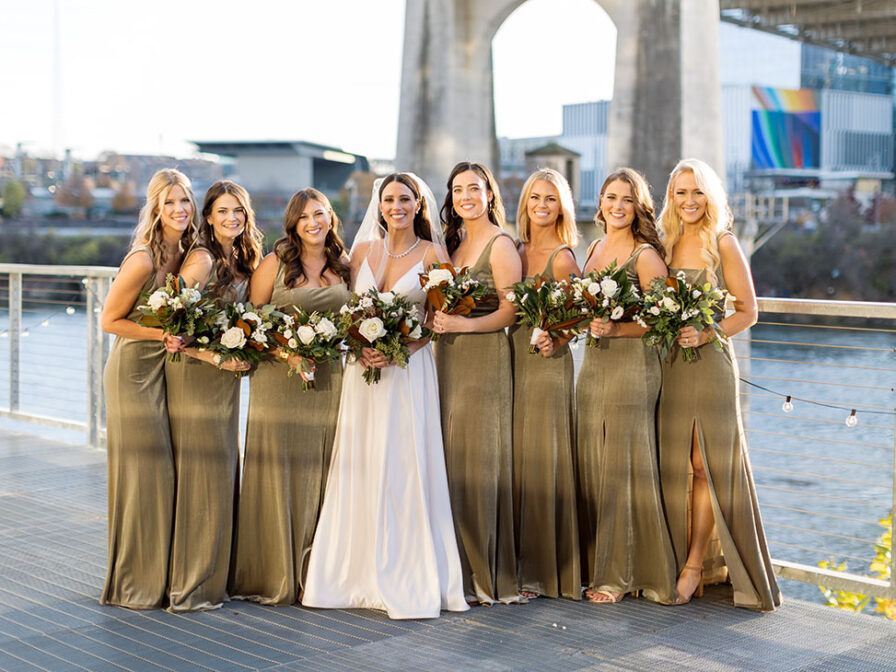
148 77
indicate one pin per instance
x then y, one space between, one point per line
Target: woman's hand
545 344
302 366
173 343
601 328
373 359
689 337
443 323
234 365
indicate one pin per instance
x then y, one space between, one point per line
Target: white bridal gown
385 539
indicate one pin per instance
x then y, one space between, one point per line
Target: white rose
510 296
670 305
654 310
240 307
190 295
287 333
366 302
326 328
372 329
609 286
305 334
417 332
438 276
617 313
158 299
233 338
292 343
593 289
251 317
388 298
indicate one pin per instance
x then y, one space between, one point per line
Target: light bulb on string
70 311
787 406
25 332
852 420
45 323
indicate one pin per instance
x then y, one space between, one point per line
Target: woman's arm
122 296
197 268
261 284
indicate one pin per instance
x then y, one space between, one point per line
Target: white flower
696 293
158 299
593 288
617 313
202 340
654 310
240 308
287 333
176 303
190 295
326 328
366 302
251 317
510 296
259 336
640 321
197 312
416 332
288 321
557 295
372 329
388 298
342 311
437 276
292 343
305 334
605 303
670 305
233 338
609 287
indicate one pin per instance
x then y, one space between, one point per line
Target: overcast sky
148 77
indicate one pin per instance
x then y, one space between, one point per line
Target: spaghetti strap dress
140 467
476 393
623 531
204 415
289 439
703 397
544 484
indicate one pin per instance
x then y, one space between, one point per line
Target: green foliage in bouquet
177 310
605 295
312 336
546 305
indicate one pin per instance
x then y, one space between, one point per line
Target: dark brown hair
452 221
288 247
422 221
644 224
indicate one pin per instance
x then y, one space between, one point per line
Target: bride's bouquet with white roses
454 292
312 336
546 306
605 295
240 331
175 308
673 303
384 321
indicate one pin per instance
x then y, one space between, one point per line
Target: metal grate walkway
52 563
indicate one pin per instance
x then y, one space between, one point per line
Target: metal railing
822 485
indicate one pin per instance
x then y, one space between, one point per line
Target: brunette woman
138 441
476 387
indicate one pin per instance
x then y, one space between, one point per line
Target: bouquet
605 295
384 321
546 307
240 331
451 291
311 336
177 309
672 303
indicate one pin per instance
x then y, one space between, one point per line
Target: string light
70 310
852 420
787 406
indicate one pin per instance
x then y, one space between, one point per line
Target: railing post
892 589
15 337
97 352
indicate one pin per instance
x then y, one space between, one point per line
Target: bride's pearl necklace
403 254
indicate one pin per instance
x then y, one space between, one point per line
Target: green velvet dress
476 398
204 412
703 396
289 440
623 532
544 484
140 468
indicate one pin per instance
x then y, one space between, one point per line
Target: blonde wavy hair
149 225
566 222
717 220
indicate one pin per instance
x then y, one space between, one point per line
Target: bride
386 539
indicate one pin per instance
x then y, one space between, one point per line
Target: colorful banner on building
786 128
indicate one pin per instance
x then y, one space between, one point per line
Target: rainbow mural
786 128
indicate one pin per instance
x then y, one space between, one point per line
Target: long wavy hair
246 247
289 246
643 226
422 218
148 231
718 217
565 225
452 221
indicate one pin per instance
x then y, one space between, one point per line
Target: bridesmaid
204 408
476 387
543 405
138 443
289 434
699 420
625 540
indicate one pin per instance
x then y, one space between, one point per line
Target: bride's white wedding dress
385 539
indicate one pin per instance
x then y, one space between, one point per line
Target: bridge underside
861 27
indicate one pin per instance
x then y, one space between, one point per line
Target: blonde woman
699 420
476 387
624 537
547 540
203 408
140 466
